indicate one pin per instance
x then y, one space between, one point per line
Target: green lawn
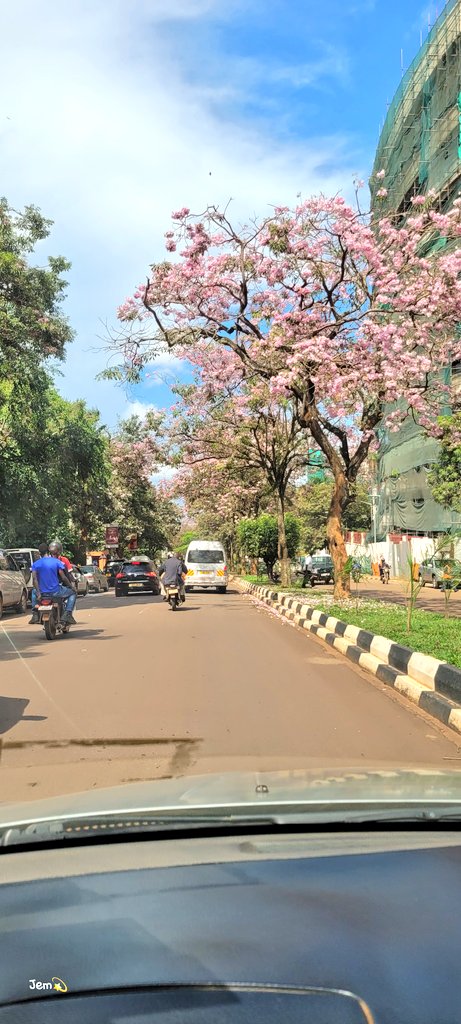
431 633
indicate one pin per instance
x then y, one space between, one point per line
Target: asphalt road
135 692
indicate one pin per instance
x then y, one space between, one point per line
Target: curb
433 685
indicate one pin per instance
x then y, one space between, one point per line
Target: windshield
206 556
229 335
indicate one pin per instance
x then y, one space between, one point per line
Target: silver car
96 579
432 571
81 581
13 589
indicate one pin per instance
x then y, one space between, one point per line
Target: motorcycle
50 610
173 597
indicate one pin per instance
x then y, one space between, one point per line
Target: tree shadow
12 711
29 642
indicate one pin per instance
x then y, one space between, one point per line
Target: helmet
55 547
170 554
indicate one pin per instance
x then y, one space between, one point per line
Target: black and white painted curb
433 685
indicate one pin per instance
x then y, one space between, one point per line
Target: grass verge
431 633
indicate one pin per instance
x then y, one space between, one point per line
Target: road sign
112 536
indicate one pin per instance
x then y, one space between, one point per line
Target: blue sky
115 112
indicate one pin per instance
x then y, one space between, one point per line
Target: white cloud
166 473
137 408
101 126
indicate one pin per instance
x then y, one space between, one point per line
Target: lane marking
39 684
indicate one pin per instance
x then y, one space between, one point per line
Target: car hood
255 793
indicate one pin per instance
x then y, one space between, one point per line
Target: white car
206 565
13 589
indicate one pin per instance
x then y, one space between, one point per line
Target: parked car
432 569
320 571
24 557
96 579
81 580
139 576
13 589
111 570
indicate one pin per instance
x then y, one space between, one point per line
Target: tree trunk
335 539
285 574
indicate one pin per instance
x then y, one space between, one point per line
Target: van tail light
119 576
225 568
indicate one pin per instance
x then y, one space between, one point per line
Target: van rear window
209 557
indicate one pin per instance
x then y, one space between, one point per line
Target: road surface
135 692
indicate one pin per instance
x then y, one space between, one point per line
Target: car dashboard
334 928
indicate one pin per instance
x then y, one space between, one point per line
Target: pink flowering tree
216 495
139 507
247 431
349 316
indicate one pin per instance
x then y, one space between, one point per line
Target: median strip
433 685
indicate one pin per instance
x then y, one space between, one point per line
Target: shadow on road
12 711
32 644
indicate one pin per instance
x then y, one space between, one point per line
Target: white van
206 565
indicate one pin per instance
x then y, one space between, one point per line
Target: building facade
420 149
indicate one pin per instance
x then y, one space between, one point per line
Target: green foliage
445 476
258 538
137 506
431 633
58 481
311 504
182 542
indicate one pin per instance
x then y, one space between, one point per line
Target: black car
321 570
111 570
138 576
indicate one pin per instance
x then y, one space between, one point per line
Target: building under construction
419 149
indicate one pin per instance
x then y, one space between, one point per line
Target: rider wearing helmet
172 572
55 549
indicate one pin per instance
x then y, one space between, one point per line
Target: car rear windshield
135 566
209 557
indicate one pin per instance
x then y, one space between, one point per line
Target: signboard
112 536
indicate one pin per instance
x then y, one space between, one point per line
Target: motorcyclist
173 572
55 549
49 577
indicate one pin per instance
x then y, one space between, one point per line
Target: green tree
33 328
135 454
445 476
259 538
58 483
312 502
33 333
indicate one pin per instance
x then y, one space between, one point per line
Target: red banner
112 536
